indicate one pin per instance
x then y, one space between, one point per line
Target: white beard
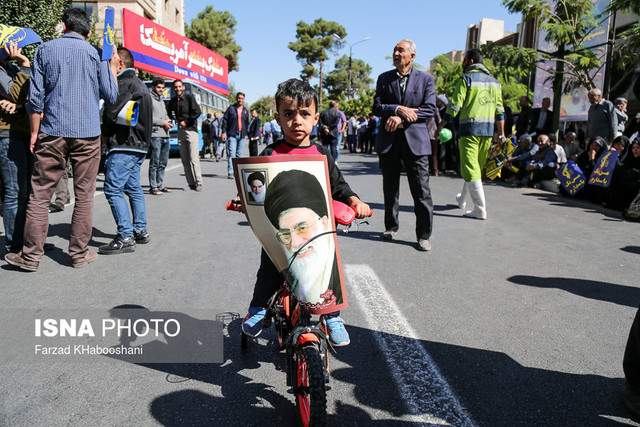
258 197
310 271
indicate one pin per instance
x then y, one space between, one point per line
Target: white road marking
426 393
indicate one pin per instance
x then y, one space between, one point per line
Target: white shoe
461 198
477 195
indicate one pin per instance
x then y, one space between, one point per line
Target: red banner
160 51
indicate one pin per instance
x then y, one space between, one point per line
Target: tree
42 16
569 26
313 44
361 104
214 30
266 107
337 81
231 96
627 45
511 68
446 73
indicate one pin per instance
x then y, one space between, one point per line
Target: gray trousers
190 155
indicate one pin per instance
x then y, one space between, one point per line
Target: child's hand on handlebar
235 205
362 209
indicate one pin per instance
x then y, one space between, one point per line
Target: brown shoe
18 261
87 259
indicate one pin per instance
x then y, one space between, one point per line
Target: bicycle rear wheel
311 393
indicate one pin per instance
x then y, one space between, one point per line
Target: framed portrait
295 224
255 185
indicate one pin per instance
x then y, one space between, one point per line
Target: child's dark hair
298 90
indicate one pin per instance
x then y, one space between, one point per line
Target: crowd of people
53 126
40 145
539 154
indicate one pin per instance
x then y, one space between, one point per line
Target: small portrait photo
255 184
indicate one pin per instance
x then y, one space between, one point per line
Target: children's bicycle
304 341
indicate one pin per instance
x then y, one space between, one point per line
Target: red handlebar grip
370 213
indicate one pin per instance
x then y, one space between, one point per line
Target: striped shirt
68 78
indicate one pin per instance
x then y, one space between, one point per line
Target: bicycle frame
305 343
295 330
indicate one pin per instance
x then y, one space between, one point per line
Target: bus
209 103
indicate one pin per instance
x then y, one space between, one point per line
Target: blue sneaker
252 323
338 335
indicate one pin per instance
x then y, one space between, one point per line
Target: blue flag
601 175
109 34
19 35
571 177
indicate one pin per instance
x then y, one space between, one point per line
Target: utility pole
350 79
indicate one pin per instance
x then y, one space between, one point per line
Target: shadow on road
631 249
494 389
602 291
557 200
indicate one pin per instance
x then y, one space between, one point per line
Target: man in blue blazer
234 131
405 101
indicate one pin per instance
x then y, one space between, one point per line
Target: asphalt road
518 320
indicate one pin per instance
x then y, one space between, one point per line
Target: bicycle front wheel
311 393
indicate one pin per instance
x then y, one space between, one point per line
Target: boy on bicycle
297 113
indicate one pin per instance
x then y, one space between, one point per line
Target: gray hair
571 135
595 91
525 138
412 45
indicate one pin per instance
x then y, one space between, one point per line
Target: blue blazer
229 123
421 94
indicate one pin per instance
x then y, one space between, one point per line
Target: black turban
294 189
256 175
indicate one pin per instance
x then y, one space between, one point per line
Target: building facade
168 13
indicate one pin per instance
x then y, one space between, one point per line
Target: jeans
234 149
158 161
338 146
123 177
14 168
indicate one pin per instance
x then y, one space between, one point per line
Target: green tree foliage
361 104
313 44
337 81
266 107
512 67
568 24
626 52
232 93
509 78
42 16
511 62
214 30
446 73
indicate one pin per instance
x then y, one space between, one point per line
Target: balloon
445 135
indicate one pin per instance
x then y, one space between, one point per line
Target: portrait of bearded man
255 187
297 207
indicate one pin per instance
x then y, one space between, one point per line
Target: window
88 6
